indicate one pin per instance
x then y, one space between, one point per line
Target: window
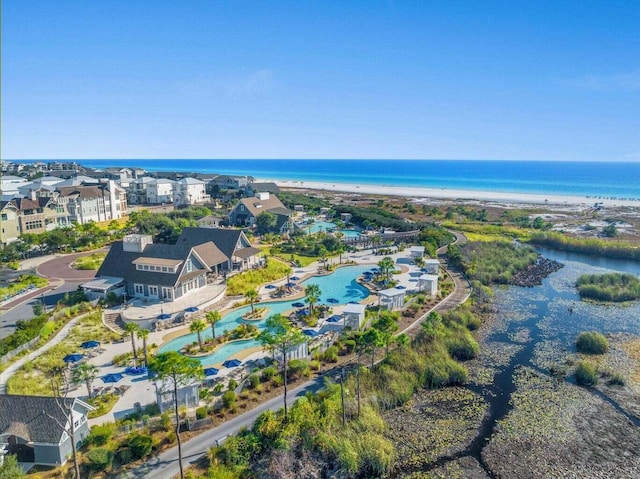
165 269
4 216
153 291
138 289
189 266
145 267
167 293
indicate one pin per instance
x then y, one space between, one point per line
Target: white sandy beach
445 193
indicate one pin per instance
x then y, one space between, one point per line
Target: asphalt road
25 310
165 465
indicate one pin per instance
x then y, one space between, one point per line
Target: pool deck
142 390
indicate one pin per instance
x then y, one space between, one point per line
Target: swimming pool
341 285
325 226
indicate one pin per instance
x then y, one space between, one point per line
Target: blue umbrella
164 316
332 300
310 332
191 309
90 344
297 305
211 371
135 370
294 278
401 287
290 285
334 319
111 378
73 358
270 286
353 302
232 363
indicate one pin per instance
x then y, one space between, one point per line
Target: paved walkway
63 333
60 267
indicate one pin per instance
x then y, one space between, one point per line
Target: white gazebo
431 266
392 298
428 283
416 252
353 315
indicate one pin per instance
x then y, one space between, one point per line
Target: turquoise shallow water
323 226
341 285
605 178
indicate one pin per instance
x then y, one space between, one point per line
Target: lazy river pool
341 285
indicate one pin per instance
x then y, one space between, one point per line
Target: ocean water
593 179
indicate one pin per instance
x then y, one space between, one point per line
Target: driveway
60 268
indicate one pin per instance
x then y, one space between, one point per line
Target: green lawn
91 262
253 279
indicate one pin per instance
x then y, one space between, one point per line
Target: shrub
233 384
617 380
100 435
201 412
254 381
585 374
140 445
591 342
99 458
331 355
298 368
228 399
268 373
462 346
166 421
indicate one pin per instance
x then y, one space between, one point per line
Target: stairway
113 321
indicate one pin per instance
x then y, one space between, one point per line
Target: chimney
262 195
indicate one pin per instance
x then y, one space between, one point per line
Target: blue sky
536 80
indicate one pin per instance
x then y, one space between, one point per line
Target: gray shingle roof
225 239
30 416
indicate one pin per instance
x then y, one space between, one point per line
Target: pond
341 285
539 326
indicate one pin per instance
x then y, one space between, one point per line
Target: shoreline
455 194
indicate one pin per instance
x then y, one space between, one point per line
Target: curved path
165 465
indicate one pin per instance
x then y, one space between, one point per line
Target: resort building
159 271
416 252
233 244
35 428
246 212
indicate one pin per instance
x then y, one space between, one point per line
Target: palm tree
312 295
85 373
144 334
252 296
197 327
375 241
212 318
386 265
132 329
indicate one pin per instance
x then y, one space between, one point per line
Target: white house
428 283
190 191
160 191
416 252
